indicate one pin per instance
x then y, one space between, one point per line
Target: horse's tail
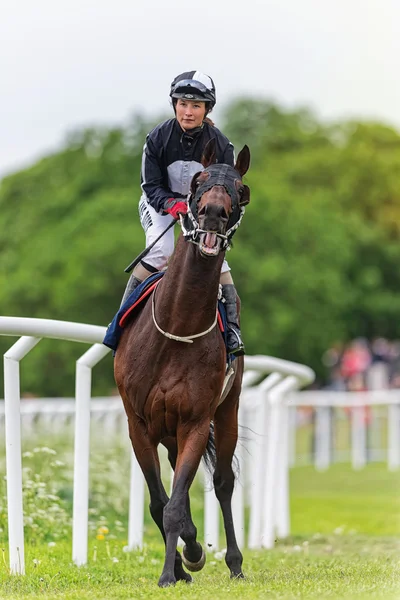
210 455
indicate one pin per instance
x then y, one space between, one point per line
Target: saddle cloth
136 301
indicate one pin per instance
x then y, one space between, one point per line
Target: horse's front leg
147 456
191 446
193 555
226 430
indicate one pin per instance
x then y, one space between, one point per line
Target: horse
170 368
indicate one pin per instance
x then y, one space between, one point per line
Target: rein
178 338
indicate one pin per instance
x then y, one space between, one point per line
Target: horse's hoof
181 575
237 575
185 577
166 580
194 566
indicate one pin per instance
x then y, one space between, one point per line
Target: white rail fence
373 427
372 436
267 383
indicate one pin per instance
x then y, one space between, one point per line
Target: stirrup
236 348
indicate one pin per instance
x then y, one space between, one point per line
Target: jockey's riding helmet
194 85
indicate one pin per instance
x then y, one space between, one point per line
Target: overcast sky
67 63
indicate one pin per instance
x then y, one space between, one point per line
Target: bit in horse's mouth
209 244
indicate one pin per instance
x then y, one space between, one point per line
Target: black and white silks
171 157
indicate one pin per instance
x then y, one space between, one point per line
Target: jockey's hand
175 207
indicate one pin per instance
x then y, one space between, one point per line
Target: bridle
223 175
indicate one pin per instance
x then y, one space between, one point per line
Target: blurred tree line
315 259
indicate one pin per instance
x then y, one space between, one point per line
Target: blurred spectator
394 364
354 364
378 373
332 360
360 365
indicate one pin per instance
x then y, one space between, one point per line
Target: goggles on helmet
189 89
190 83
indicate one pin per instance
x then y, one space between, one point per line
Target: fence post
211 515
282 510
358 437
274 448
136 506
393 437
260 460
323 438
80 515
292 435
12 409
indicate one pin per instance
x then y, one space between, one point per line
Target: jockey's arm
153 178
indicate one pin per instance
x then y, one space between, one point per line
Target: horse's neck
190 286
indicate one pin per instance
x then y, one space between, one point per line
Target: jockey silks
171 157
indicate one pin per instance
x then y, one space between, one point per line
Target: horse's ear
243 161
209 155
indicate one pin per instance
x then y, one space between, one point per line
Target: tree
315 259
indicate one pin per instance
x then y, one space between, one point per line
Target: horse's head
216 202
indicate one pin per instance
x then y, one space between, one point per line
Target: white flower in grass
338 530
115 559
52 497
27 455
218 555
51 544
296 548
44 450
36 562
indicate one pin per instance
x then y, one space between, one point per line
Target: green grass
366 501
345 544
334 567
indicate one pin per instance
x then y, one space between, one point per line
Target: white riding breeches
154 224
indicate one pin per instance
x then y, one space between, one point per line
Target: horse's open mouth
209 244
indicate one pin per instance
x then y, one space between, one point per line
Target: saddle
135 302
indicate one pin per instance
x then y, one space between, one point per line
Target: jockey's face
190 114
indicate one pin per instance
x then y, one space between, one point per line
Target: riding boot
234 339
132 284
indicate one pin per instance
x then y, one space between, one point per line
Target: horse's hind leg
147 457
193 555
191 446
225 431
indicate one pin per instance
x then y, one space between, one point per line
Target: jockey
171 157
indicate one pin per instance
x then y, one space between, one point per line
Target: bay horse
171 390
